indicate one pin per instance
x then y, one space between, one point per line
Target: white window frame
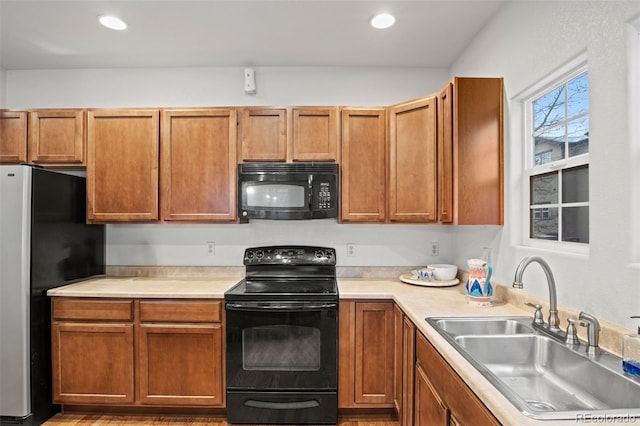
558 77
633 46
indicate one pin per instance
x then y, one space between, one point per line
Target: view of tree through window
559 199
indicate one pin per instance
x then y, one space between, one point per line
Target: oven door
282 345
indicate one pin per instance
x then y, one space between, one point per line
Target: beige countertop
417 302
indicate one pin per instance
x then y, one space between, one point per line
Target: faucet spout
554 321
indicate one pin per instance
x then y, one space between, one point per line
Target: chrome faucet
554 321
593 332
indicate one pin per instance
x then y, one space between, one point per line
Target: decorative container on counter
478 287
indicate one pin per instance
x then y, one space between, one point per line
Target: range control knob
320 254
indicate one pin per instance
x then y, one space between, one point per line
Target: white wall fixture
382 21
112 22
250 81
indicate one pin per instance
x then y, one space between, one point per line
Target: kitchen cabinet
404 361
445 154
175 347
413 161
56 137
13 136
315 134
366 354
122 165
181 347
478 164
363 165
262 134
441 397
198 164
92 351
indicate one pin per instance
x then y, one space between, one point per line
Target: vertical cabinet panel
122 168
363 165
57 137
429 408
181 364
13 136
445 155
92 363
412 161
315 134
263 134
198 160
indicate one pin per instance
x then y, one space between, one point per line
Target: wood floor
111 420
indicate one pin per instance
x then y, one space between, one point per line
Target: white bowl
444 272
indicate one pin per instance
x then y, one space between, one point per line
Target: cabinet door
13 136
374 336
412 161
263 134
57 137
398 361
315 134
198 175
408 366
429 408
92 363
445 155
122 167
478 150
181 364
363 165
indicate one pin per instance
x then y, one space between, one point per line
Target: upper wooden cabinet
13 136
363 165
263 134
198 165
478 181
445 154
412 161
57 137
315 134
122 167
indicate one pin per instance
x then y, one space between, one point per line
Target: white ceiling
49 34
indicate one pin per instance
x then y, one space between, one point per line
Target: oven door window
281 347
274 195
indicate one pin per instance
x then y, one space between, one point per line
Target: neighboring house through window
557 160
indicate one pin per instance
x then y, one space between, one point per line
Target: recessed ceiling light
112 22
382 20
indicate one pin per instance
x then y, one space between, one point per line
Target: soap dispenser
631 352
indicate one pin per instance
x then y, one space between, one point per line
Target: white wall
526 41
376 245
3 88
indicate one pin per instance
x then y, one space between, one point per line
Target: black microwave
288 191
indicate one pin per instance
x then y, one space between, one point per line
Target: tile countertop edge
417 303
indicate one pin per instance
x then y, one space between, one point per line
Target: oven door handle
280 306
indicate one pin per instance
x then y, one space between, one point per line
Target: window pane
549 146
544 189
544 223
578 95
575 224
549 109
578 136
575 185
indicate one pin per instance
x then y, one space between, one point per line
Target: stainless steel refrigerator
44 243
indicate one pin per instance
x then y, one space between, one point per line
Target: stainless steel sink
543 378
488 325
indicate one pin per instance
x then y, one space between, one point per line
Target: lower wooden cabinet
366 354
441 397
175 347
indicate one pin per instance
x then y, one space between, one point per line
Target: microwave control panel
325 200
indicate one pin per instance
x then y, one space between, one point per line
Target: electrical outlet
211 248
435 248
351 250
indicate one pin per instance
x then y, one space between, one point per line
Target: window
558 165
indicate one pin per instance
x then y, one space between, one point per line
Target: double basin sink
541 376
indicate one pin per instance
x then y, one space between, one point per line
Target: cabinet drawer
180 311
431 361
82 309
